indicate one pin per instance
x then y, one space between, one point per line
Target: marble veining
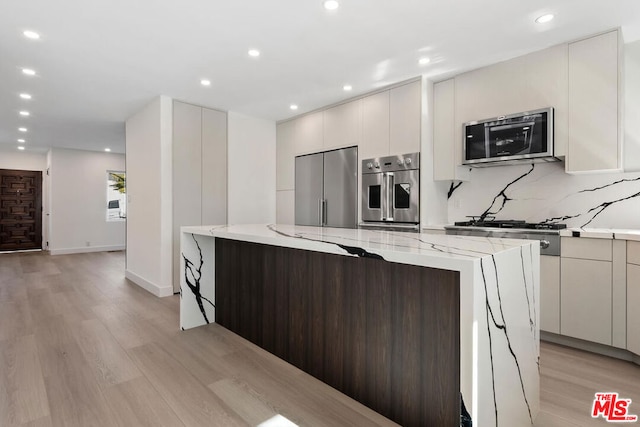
545 193
501 325
192 276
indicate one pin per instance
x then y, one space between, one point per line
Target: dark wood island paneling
386 334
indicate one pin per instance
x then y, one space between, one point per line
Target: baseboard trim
159 291
592 347
82 250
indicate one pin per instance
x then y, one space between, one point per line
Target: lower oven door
374 199
405 200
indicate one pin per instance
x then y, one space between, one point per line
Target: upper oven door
405 198
374 199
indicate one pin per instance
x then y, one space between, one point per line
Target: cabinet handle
544 244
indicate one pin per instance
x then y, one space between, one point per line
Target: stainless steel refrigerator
327 188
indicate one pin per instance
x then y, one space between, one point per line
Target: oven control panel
391 163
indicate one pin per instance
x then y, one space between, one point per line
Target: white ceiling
100 61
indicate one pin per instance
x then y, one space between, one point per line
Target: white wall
78 190
148 145
12 158
252 170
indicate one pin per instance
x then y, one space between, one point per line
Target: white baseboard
81 250
159 291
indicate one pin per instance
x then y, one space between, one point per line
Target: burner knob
544 244
369 165
376 165
407 161
400 162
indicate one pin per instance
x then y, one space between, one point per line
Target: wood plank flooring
82 346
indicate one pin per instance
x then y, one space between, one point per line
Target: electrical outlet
88 243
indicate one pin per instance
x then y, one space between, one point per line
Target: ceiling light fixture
25 96
22 129
544 18
424 61
254 53
28 72
31 35
20 147
21 141
205 82
293 106
108 150
347 88
24 113
331 4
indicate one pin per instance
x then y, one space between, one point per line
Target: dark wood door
20 210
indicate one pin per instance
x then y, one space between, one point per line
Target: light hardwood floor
82 346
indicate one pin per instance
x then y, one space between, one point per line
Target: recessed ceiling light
107 150
31 35
21 141
424 61
544 18
205 82
22 129
25 96
293 106
28 72
24 113
347 88
20 147
331 4
254 52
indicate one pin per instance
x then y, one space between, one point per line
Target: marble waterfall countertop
499 299
602 233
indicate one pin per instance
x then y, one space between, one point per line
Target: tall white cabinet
199 171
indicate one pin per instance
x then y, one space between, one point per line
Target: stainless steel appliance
513 138
547 234
326 188
391 191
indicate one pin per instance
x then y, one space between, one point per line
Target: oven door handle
388 195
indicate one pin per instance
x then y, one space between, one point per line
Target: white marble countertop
602 233
429 250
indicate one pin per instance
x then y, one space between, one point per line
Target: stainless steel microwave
526 136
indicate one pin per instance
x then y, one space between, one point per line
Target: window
116 196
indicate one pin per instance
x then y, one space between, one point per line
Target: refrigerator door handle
324 212
320 209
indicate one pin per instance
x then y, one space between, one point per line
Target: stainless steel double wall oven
391 190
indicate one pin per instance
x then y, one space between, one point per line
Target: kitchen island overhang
498 299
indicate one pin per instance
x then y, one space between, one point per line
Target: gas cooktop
509 223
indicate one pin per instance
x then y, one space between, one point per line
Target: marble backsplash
543 192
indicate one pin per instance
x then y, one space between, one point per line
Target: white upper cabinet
447 150
342 125
308 137
375 126
404 118
594 136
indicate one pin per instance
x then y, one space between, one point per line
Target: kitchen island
405 323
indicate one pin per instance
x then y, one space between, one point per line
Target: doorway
20 210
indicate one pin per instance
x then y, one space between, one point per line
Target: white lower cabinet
633 297
550 293
586 289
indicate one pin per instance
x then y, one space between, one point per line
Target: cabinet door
550 293
342 125
187 175
593 104
405 118
633 314
214 167
375 126
285 155
585 299
308 136
446 150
